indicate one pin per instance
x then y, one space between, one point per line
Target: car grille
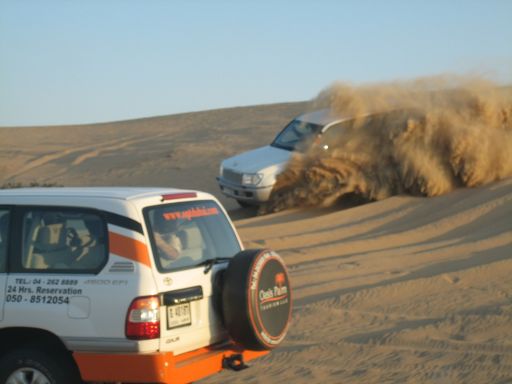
232 176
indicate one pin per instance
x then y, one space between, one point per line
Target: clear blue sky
64 62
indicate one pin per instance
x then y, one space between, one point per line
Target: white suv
90 292
250 176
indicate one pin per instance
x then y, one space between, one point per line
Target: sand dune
406 289
182 151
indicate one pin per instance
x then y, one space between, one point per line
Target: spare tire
256 299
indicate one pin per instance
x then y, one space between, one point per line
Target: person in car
167 241
90 251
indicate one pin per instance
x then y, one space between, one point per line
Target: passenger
167 241
93 251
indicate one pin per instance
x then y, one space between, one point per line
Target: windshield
296 132
183 235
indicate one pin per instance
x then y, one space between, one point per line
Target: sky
79 62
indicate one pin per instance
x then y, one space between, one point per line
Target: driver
166 238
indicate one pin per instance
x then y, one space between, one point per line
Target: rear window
184 235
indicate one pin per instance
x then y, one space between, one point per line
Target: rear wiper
209 263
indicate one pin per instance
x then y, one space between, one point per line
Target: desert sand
180 151
402 290
414 290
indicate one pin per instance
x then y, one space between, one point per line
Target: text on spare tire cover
270 302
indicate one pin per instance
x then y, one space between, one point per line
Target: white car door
190 319
48 275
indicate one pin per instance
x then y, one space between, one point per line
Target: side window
335 133
63 240
4 234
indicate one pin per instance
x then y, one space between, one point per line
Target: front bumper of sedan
245 193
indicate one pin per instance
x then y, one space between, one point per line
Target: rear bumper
255 195
163 367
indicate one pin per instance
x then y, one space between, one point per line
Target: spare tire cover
256 299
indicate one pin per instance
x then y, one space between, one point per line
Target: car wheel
256 299
34 366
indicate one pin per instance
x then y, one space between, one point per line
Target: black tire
29 362
256 299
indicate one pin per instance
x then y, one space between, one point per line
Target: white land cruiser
131 285
250 176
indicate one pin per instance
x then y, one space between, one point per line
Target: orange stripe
129 248
161 367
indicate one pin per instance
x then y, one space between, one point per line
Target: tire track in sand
83 153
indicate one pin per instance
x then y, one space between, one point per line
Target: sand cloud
442 133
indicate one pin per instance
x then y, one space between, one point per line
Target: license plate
178 316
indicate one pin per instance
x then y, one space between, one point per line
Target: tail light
181 195
143 318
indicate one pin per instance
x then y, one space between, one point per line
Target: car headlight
252 178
